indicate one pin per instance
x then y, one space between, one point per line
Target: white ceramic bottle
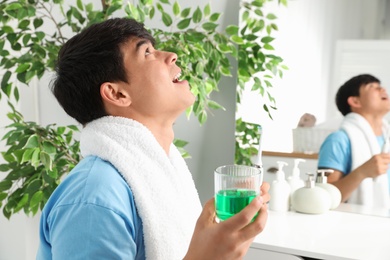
311 199
280 191
322 181
295 180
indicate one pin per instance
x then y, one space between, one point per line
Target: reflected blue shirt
91 215
335 153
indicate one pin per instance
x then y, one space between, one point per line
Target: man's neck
163 133
376 123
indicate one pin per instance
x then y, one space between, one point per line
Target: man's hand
231 238
377 165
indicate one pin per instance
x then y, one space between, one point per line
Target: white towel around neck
364 144
163 188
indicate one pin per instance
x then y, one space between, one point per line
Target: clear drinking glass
235 187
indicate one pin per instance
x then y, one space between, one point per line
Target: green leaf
202 117
3 195
268 47
6 213
271 16
179 143
207 10
224 48
40 35
164 1
185 12
4 80
22 67
13 6
183 24
5 185
46 160
259 12
35 158
267 39
2 42
225 71
21 203
214 17
26 39
7 29
197 15
19 155
167 20
4 167
176 8
34 186
199 69
214 105
209 26
32 142
53 173
36 198
159 7
236 39
80 5
49 148
114 7
61 130
27 155
23 24
232 30
73 127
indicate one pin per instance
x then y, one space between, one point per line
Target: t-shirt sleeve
88 231
335 152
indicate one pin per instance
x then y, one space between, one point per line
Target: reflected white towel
163 188
371 192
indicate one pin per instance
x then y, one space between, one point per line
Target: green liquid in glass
230 202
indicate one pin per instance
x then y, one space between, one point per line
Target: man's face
374 98
154 85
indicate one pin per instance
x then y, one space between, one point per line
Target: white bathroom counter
333 235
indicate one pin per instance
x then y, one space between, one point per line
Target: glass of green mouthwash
235 187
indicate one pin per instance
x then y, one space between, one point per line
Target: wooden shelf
292 154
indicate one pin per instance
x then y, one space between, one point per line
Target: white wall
210 145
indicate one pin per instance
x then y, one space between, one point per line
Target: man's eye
147 52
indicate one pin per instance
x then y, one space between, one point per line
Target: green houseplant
38 156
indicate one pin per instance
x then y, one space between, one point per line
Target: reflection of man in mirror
358 152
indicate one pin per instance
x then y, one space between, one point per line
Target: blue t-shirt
91 215
335 153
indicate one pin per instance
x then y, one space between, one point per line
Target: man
358 152
132 196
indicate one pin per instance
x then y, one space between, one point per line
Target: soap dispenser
311 199
295 180
280 191
334 192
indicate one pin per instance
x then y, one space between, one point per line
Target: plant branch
58 27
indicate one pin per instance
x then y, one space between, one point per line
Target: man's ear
114 94
354 102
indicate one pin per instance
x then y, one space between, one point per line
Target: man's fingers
264 192
245 216
257 226
265 187
208 212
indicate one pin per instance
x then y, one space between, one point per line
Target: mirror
313 39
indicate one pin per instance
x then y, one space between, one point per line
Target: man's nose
171 57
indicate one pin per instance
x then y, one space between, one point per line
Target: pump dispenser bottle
334 192
280 191
311 199
295 180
